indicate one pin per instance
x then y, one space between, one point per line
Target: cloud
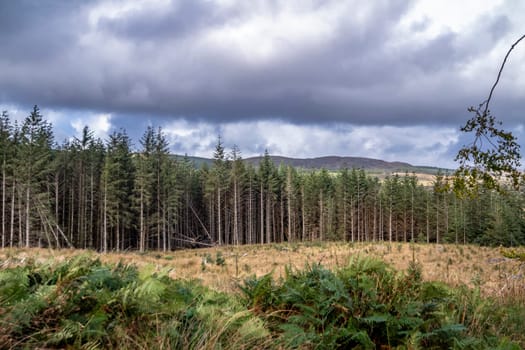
380 62
418 145
100 124
316 66
195 139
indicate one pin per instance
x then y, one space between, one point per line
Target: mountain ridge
332 163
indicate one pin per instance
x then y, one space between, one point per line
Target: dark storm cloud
33 31
160 61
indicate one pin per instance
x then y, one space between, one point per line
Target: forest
109 195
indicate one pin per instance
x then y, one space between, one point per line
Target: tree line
106 195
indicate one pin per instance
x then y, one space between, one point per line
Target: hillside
332 163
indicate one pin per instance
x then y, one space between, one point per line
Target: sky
386 79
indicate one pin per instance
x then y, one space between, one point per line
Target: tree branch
499 74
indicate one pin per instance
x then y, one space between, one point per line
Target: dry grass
453 264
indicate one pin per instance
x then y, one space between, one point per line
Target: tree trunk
142 231
390 222
282 219
262 214
12 228
235 213
321 216
412 216
219 223
303 214
289 205
28 215
251 239
3 205
344 217
428 219
268 220
105 228
437 219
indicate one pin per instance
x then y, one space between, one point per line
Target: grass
487 287
222 267
83 303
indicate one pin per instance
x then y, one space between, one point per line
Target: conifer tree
143 186
117 189
5 160
34 160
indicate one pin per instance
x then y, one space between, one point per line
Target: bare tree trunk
105 228
235 213
72 214
282 219
12 228
381 232
57 199
142 231
358 212
289 205
374 228
268 220
390 222
428 218
219 223
92 210
80 228
28 215
3 205
117 231
445 206
303 214
456 219
164 230
344 217
412 216
437 219
262 214
321 216
352 220
251 239
20 220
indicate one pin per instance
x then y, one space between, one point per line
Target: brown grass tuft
485 267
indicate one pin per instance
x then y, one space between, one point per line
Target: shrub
367 305
85 304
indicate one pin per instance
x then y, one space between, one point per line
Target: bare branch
499 74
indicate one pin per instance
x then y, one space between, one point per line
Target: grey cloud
34 31
151 63
181 18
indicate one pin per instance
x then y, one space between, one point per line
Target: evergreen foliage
87 193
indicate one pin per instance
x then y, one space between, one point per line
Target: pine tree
143 186
34 160
5 162
237 183
218 183
117 189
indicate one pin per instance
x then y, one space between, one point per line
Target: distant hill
332 163
335 163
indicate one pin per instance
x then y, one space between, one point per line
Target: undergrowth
85 304
368 305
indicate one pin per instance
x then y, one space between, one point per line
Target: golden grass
453 264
